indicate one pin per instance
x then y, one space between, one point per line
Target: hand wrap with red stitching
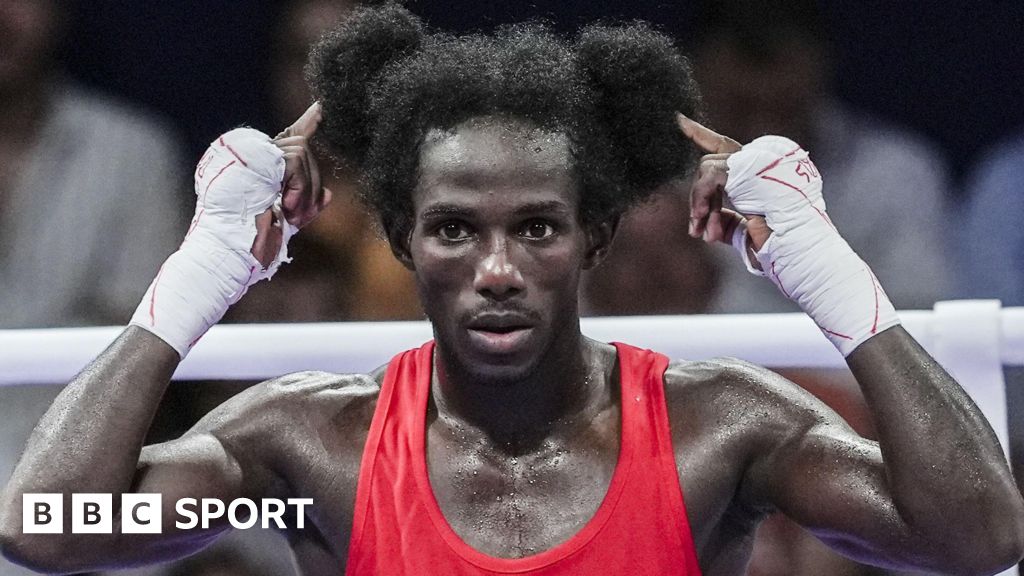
805 256
238 178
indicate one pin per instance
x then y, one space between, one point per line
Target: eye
453 231
537 230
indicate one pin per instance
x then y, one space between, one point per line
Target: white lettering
233 516
212 508
141 513
92 514
277 514
42 514
181 509
300 514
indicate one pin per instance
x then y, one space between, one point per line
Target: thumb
759 231
757 227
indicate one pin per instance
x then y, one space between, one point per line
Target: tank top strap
646 428
392 423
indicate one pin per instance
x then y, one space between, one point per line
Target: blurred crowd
95 192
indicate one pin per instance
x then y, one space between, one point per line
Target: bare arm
90 440
935 492
87 443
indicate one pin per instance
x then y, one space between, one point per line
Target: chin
490 369
498 375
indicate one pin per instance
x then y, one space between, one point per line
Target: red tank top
640 528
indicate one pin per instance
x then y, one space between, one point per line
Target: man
768 67
514 444
69 158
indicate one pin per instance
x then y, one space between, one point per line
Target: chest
510 505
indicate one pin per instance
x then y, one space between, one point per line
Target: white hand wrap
239 177
805 256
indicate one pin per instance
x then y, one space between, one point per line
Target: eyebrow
544 207
437 210
555 206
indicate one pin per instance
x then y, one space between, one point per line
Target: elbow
31 552
993 550
37 552
1006 542
982 540
9 535
1006 546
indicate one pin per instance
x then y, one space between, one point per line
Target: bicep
803 460
181 472
832 482
217 459
196 466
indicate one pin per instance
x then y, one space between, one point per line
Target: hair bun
346 63
640 80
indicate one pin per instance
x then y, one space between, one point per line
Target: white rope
258 351
973 339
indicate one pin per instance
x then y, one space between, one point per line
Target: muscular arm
91 441
933 493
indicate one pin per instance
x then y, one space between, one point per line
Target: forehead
497 161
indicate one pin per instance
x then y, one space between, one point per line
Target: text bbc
143 513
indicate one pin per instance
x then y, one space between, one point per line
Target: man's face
497 246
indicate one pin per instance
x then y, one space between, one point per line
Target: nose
496 276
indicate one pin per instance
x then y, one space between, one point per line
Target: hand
303 196
708 219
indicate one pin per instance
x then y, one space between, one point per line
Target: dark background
953 71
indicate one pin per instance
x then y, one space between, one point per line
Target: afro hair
384 80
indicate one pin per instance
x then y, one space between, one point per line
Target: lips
500 343
500 334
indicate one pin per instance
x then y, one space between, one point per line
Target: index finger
706 138
306 125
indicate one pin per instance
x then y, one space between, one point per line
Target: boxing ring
973 339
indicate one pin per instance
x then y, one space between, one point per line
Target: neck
569 384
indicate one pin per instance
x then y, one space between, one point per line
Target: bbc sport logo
143 513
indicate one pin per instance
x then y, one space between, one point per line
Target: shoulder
731 416
131 135
868 132
748 399
724 375
294 405
312 389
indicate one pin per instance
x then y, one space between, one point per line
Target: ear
599 240
400 239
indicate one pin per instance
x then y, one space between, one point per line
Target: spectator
765 68
90 202
79 174
991 236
